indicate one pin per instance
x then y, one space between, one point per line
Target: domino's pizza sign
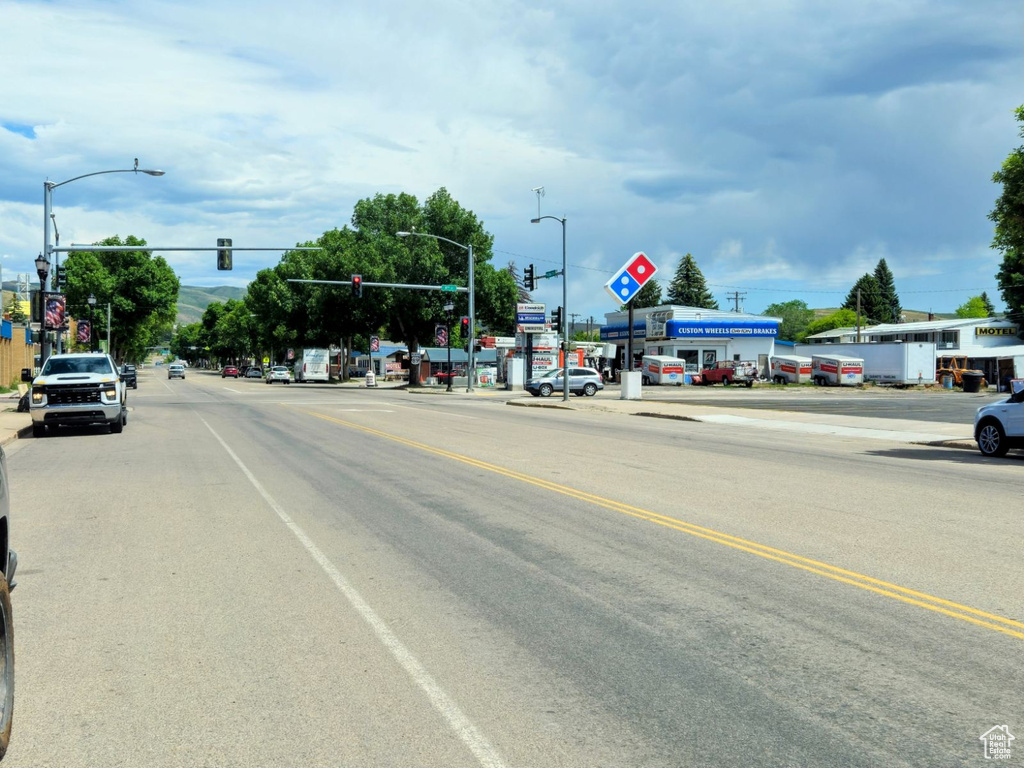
631 278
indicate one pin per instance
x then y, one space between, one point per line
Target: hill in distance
193 301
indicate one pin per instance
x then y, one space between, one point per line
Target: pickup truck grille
73 394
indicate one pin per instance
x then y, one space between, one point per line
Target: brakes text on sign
631 278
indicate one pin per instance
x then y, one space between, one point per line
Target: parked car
80 388
998 427
730 372
278 373
582 381
129 376
9 564
253 373
175 371
229 370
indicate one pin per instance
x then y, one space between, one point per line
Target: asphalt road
315 576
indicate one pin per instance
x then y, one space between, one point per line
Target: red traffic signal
464 325
357 286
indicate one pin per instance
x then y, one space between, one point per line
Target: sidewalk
943 434
13 424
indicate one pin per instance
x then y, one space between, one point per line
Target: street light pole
448 338
472 305
43 270
48 187
565 308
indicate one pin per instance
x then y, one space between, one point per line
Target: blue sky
788 145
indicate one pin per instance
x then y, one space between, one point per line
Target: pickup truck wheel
117 425
38 429
727 381
590 390
992 439
6 666
750 383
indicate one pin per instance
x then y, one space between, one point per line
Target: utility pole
572 328
735 296
858 315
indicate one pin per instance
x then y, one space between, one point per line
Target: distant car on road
229 370
582 381
175 371
278 373
253 373
129 376
998 427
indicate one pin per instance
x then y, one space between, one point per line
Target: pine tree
871 305
889 302
648 296
989 308
523 295
688 288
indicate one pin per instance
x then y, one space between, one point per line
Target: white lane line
469 734
439 412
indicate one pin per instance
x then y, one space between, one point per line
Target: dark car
129 376
229 370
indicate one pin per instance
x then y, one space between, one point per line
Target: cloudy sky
788 145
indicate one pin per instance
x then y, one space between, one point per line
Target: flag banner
440 336
375 343
84 331
53 319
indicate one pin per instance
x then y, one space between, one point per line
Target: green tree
142 290
989 308
973 307
688 287
889 302
1008 216
844 318
648 296
795 316
871 302
13 310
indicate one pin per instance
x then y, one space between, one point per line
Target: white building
696 335
990 344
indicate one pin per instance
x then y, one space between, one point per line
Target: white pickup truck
82 388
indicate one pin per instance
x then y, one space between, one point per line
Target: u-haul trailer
791 369
899 363
836 371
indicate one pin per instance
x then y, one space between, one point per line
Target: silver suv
175 371
998 427
582 381
78 389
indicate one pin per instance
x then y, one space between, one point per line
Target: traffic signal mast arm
530 276
365 284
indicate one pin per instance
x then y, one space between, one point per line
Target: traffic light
60 278
528 279
357 286
464 327
556 318
223 253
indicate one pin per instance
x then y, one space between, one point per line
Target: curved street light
48 187
472 307
565 307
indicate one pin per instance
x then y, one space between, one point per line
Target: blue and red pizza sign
631 278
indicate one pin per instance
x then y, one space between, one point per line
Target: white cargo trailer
311 365
899 363
842 371
791 369
662 369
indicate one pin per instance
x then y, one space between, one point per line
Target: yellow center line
878 586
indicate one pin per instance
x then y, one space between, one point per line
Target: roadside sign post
625 285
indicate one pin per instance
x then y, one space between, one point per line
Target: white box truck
898 363
836 371
791 369
311 365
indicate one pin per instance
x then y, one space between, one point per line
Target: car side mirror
26 375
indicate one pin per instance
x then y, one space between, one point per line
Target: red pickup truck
730 372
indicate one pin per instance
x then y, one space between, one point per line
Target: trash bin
947 381
972 380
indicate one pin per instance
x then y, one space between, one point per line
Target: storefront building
990 344
697 336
